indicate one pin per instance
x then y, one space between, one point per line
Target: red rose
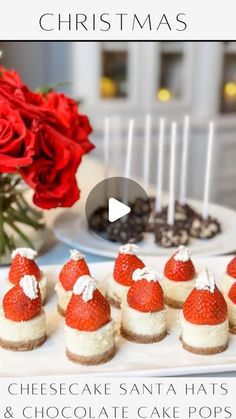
16 141
11 77
76 126
52 173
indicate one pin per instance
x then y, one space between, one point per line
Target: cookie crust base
173 303
204 351
134 337
232 328
23 345
92 360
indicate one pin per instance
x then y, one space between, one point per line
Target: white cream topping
128 249
177 290
42 286
204 336
29 286
205 281
26 252
147 324
183 254
76 255
12 331
226 283
90 343
86 286
146 273
115 290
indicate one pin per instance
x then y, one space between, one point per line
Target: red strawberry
232 293
71 271
205 307
21 266
18 307
90 315
177 270
231 268
125 265
146 296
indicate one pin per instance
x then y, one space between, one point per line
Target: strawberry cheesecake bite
179 278
23 263
230 299
71 271
205 318
125 265
22 318
89 328
229 277
143 314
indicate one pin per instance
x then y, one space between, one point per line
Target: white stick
147 149
128 161
183 180
159 181
205 211
106 146
171 205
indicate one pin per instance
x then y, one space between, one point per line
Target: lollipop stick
211 131
147 148
128 161
159 181
171 205
183 181
106 151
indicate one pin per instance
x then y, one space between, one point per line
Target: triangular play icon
116 209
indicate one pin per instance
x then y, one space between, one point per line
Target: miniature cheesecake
89 328
23 263
118 283
68 276
22 318
143 315
179 278
229 277
205 318
231 303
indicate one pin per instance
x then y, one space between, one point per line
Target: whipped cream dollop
76 255
205 281
146 273
25 252
29 286
85 285
128 249
183 254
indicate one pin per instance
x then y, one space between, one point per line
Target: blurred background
131 79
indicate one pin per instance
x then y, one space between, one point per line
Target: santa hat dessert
205 318
229 277
179 278
22 318
71 271
143 314
231 303
23 263
89 328
122 278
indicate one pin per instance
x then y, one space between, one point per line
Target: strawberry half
146 296
231 268
232 293
177 270
71 271
90 315
125 265
18 307
204 307
22 266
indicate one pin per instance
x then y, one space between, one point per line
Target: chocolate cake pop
202 228
167 235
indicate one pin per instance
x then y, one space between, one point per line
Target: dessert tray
72 229
166 358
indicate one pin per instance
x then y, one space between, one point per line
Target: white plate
160 359
72 229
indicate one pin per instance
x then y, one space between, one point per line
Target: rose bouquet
42 140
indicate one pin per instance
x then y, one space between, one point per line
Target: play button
116 210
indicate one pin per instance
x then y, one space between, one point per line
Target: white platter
166 358
72 229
